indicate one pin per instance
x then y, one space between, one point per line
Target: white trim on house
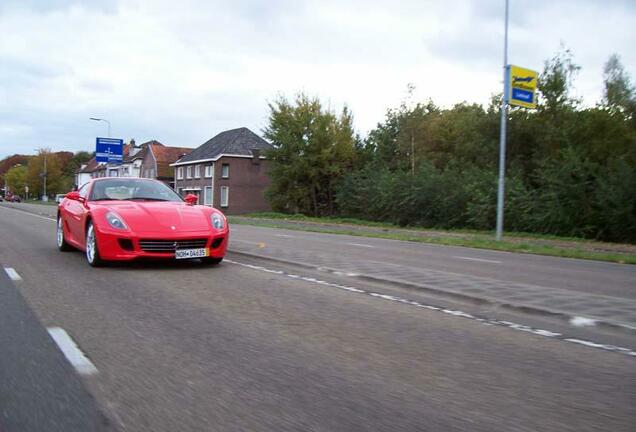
215 159
191 188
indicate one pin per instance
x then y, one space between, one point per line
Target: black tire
92 250
211 261
61 241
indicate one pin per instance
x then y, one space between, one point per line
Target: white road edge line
456 313
13 275
30 214
478 259
73 354
285 236
360 245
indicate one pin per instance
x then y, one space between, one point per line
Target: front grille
171 245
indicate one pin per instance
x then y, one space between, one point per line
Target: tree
15 179
618 95
55 182
313 148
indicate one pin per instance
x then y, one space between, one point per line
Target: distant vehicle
13 198
123 219
59 198
1 199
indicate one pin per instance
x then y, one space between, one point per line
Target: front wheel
92 251
61 241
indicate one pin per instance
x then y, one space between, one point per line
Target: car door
75 215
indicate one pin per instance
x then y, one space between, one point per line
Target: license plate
191 253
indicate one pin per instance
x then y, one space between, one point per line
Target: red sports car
121 219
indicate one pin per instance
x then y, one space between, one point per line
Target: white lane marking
31 214
12 274
602 346
578 321
285 236
478 259
360 245
73 354
452 312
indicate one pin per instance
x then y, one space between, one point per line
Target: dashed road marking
452 312
478 259
360 245
13 275
71 351
286 236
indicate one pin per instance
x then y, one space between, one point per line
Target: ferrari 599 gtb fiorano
122 219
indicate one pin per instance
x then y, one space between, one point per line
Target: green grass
513 242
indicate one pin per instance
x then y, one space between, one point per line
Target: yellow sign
522 87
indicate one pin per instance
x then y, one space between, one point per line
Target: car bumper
122 246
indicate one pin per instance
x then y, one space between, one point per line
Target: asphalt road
250 345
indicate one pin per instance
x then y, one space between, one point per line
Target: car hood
156 217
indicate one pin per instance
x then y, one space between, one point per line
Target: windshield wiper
105 199
147 199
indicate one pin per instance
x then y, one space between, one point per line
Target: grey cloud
47 6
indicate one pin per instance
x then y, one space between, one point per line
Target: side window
83 191
225 171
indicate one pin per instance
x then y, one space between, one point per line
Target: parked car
123 219
14 198
59 198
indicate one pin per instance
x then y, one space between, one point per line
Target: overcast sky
183 71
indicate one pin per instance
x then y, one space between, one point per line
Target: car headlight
115 221
218 221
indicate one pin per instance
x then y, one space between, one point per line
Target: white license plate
191 253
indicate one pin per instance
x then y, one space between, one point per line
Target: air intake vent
171 245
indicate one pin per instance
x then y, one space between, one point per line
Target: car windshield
132 189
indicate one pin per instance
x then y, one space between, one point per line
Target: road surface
258 345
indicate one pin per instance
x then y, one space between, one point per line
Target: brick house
228 172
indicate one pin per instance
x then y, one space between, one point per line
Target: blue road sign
109 150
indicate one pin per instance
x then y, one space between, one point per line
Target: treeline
20 172
571 170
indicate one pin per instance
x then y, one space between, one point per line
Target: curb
600 322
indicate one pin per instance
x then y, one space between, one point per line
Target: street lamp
104 120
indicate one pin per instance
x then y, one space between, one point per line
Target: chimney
256 153
133 150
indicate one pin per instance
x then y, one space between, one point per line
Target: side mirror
75 196
191 199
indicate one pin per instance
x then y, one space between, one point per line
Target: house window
189 171
208 171
225 170
113 173
225 196
197 171
180 173
207 198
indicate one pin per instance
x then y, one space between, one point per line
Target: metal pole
44 198
502 136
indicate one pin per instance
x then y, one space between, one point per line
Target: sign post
520 86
